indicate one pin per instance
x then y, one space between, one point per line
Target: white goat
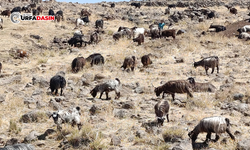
79 21
246 28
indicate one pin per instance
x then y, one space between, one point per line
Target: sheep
244 35
110 85
176 86
56 82
145 60
246 28
129 62
208 62
71 116
161 109
216 124
0 67
204 87
77 64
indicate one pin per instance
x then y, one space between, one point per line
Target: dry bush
173 134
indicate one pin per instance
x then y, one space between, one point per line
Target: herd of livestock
210 125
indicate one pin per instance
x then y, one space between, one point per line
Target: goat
110 85
40 9
112 5
95 59
16 9
167 33
208 62
6 13
218 28
94 38
161 109
60 13
26 8
204 87
246 28
145 60
139 39
56 82
176 86
99 24
85 12
129 62
137 5
244 35
51 12
211 125
79 21
77 64
137 31
22 53
71 116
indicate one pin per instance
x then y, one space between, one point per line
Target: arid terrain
127 123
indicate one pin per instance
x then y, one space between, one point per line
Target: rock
243 145
127 105
2 98
140 133
20 146
7 81
115 140
54 104
99 77
88 76
33 116
238 96
40 81
74 50
120 113
31 137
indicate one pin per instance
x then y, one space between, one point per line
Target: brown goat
40 9
145 60
129 62
168 33
176 86
161 109
85 12
6 13
139 39
77 64
204 87
22 53
233 10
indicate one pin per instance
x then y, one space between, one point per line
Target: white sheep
211 125
71 116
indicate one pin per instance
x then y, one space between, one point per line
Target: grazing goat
56 82
60 13
176 86
168 33
22 53
246 28
94 38
139 39
161 109
122 33
99 24
145 60
95 59
1 66
112 5
26 8
51 12
154 31
85 12
35 12
71 116
211 125
129 62
79 21
204 87
16 9
233 10
137 31
6 13
244 35
111 85
172 6
77 64
208 62
40 9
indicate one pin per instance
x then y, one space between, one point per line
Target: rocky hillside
129 122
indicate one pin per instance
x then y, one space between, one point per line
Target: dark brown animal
85 12
176 86
40 9
94 38
168 33
129 62
77 64
233 10
208 62
58 17
6 13
145 60
139 39
22 53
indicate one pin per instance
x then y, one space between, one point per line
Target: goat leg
208 137
167 117
217 69
230 134
101 95
61 91
217 137
212 70
107 95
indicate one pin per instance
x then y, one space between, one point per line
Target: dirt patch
232 28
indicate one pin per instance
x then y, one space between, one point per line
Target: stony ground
123 123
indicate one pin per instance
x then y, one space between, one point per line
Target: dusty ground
112 119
